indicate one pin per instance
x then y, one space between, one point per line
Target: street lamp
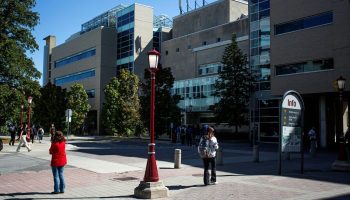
342 152
151 187
29 128
20 123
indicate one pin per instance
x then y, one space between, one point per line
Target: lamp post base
151 190
340 165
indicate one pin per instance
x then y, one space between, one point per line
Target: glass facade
76 57
125 37
307 66
307 22
75 77
264 109
197 92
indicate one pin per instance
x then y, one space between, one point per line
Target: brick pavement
241 179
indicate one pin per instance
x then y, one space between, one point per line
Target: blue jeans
58 179
212 162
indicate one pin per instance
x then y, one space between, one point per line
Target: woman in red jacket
58 161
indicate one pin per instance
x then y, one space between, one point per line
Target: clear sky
62 18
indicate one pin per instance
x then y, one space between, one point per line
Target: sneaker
54 192
29 150
214 183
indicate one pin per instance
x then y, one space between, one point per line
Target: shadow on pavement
57 197
181 187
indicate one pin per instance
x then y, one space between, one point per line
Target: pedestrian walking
52 131
313 141
207 147
40 134
12 131
24 138
58 161
33 134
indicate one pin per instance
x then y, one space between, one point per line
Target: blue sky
62 18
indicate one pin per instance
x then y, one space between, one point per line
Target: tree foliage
77 100
121 110
18 76
233 87
166 109
50 107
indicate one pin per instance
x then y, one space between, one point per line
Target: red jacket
58 152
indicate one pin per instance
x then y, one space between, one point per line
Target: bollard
256 153
219 157
177 159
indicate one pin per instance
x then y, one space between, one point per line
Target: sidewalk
27 175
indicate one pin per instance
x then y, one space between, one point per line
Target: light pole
151 187
342 152
20 118
29 128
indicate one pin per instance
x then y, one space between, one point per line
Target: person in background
313 141
23 139
58 161
12 130
40 133
52 130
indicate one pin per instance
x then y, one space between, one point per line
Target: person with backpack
207 147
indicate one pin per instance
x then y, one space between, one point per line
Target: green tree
166 109
18 76
233 88
121 110
50 107
78 102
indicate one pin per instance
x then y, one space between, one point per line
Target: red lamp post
342 152
29 128
20 123
151 173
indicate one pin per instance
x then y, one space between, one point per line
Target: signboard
69 113
292 109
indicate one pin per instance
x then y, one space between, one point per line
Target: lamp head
153 59
341 83
30 99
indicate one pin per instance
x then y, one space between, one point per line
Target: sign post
68 120
291 126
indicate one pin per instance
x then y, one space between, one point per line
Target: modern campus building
195 50
303 46
117 39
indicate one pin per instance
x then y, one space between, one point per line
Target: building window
129 66
308 22
76 57
75 77
205 43
218 39
307 66
177 49
166 52
189 46
125 19
90 93
125 45
208 69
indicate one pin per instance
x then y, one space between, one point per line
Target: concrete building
194 53
117 39
304 46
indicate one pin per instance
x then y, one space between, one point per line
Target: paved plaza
105 168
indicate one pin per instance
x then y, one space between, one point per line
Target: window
75 77
125 45
189 46
177 49
205 43
307 66
90 93
211 68
218 39
76 57
308 22
166 52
